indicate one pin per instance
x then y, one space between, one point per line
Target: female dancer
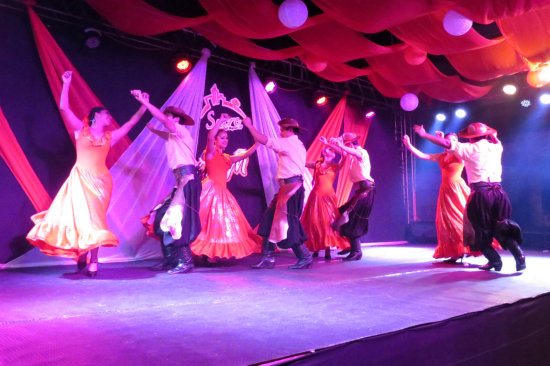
75 223
225 231
453 194
321 207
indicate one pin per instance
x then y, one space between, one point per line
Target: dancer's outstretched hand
406 140
150 126
140 96
323 140
67 76
419 129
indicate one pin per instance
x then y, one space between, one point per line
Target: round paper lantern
414 56
293 13
456 24
313 63
409 102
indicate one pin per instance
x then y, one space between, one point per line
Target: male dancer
488 206
280 223
181 222
353 222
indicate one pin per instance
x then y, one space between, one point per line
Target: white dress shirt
179 148
291 153
482 160
359 168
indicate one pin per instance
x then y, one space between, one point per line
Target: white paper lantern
293 13
409 102
456 24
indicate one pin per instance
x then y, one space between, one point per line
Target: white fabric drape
265 118
141 177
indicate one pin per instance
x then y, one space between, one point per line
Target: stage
228 314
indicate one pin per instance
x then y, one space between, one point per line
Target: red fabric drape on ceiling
373 16
140 18
452 89
529 34
81 97
17 162
427 33
487 11
489 62
358 124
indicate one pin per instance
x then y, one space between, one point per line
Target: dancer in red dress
75 223
321 207
225 230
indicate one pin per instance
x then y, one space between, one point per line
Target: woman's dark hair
450 134
220 131
93 111
296 130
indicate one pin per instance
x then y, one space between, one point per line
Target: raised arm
162 134
258 136
73 121
418 153
437 140
157 113
123 130
246 154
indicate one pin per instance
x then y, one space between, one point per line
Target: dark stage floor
230 315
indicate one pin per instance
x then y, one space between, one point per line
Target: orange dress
321 210
75 222
451 203
225 231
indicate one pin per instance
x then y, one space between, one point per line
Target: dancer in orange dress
225 231
321 207
454 232
75 223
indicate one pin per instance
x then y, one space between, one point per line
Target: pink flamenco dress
320 212
225 231
75 223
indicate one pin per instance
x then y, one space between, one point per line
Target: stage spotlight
460 113
320 98
370 114
270 86
440 117
509 89
525 103
183 65
93 37
545 98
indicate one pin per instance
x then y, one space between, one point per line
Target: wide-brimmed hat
476 129
185 119
349 137
289 122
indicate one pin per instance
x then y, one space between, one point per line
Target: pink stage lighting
370 114
270 86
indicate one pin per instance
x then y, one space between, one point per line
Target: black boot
355 253
184 263
169 261
268 256
516 251
494 259
305 260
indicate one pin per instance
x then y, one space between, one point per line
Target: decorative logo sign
216 104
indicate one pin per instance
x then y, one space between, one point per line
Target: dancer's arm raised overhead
437 140
73 121
162 134
418 153
123 130
337 144
258 136
169 122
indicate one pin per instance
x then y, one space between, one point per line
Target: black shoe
354 256
164 265
497 266
302 264
520 263
89 273
327 255
453 260
267 262
315 254
81 262
344 251
305 260
182 267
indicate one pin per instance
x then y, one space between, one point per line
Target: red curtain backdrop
336 37
17 162
81 97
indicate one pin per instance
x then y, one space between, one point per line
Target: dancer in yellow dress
225 230
75 223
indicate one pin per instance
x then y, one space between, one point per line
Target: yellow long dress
75 222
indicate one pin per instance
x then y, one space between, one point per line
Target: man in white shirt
488 206
280 223
353 221
177 220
